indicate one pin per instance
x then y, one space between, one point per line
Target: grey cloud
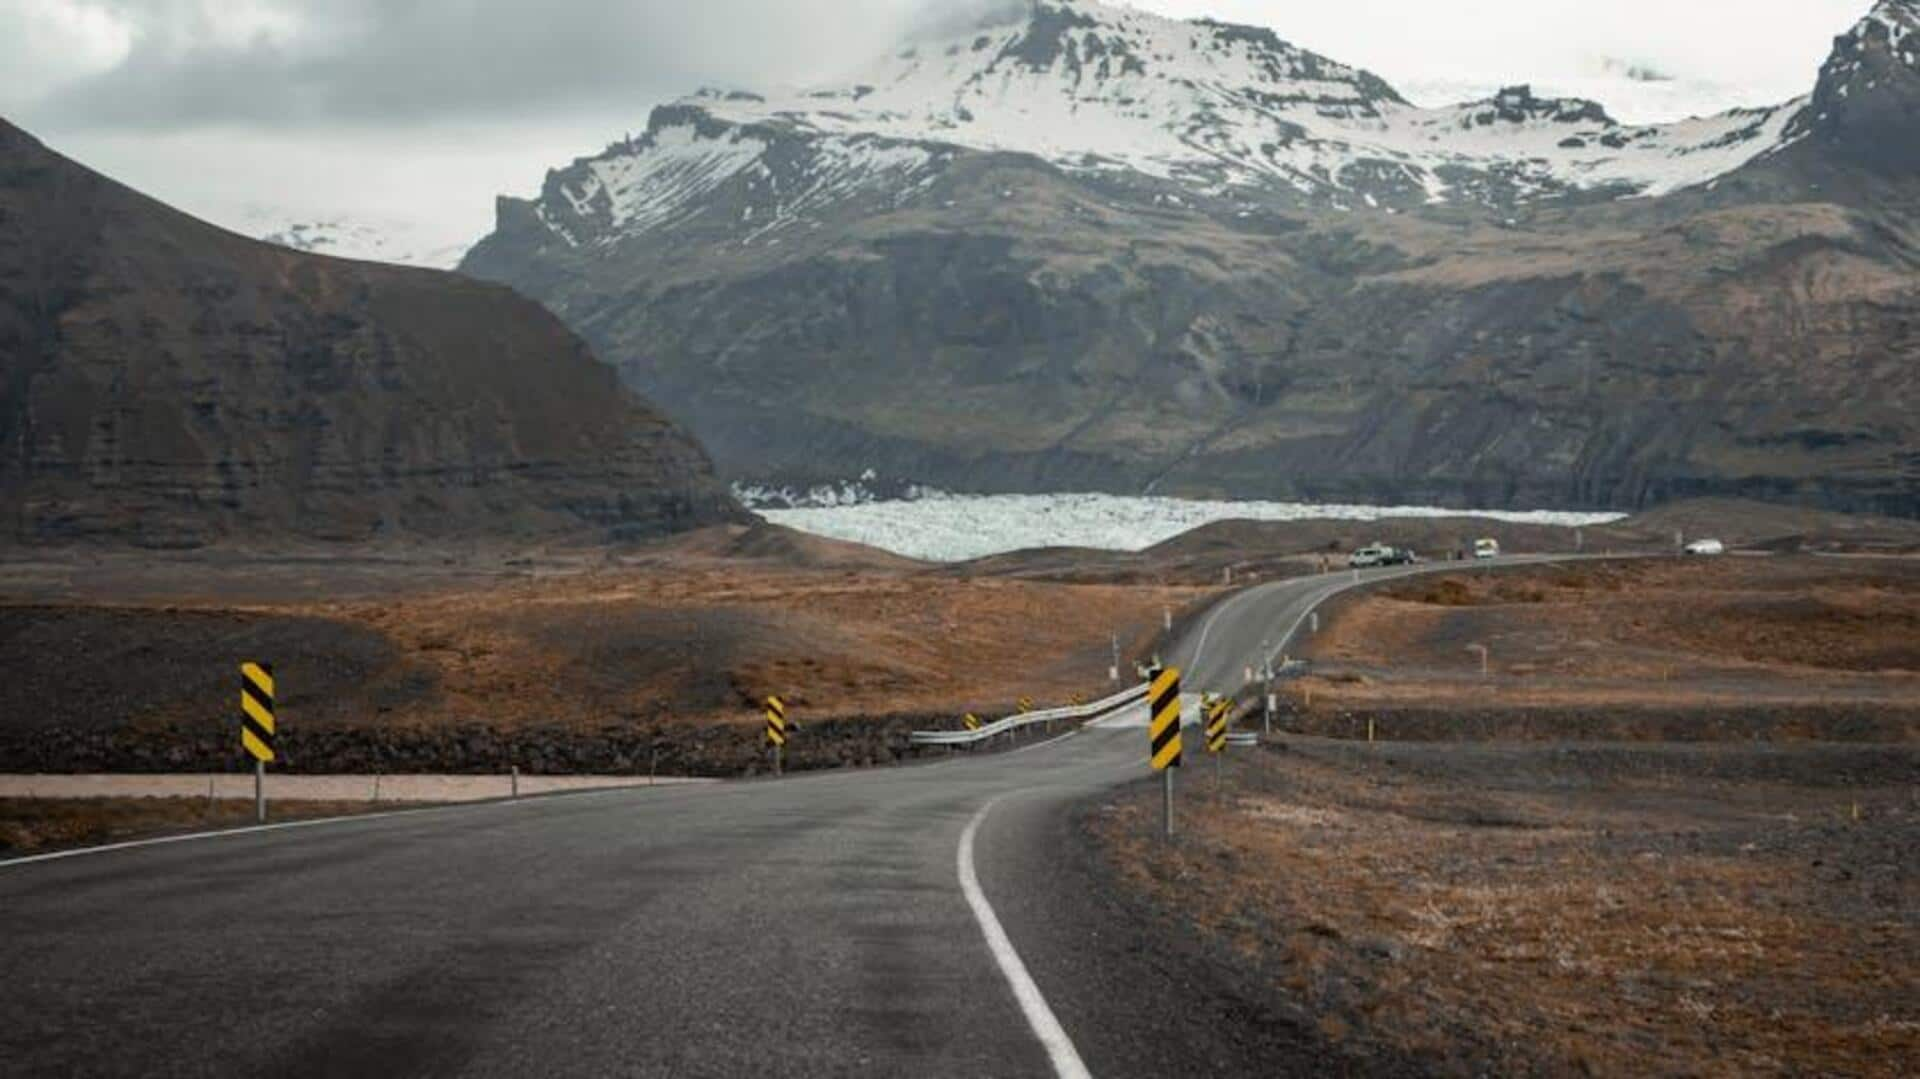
397 62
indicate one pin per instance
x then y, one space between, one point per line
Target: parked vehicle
1486 548
1368 557
1381 555
1706 547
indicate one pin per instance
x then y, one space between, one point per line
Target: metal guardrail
1010 723
1243 739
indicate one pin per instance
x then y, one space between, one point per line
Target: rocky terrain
1078 247
1710 910
168 384
560 663
1742 648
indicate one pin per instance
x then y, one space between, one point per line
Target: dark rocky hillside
167 383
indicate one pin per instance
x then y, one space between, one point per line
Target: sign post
1217 717
257 728
776 730
1163 732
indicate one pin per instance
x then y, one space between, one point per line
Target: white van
1486 548
1706 547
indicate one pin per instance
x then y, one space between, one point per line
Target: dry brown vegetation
33 825
695 632
1735 631
1625 911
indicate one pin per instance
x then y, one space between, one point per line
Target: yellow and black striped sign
776 722
1163 728
1025 705
1217 717
972 721
1076 699
256 710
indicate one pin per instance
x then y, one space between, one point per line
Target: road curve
809 926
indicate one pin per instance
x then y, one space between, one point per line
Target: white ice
956 528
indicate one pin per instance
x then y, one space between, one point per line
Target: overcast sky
422 110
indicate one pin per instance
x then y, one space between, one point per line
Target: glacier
959 528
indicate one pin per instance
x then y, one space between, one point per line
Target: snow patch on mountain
1220 110
956 528
1223 111
1219 107
403 242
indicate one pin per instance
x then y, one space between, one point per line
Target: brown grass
691 640
1692 927
1736 630
35 825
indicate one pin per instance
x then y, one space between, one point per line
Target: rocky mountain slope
168 383
1080 246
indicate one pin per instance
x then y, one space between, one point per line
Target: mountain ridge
805 284
168 383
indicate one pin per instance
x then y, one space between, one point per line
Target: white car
1706 547
1486 548
1367 557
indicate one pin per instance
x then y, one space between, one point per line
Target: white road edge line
252 829
1060 1050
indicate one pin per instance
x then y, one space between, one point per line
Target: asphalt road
809 926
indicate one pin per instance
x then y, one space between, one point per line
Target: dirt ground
1833 633
1607 910
36 825
692 635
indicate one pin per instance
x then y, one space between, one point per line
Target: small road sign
1163 701
1217 717
972 721
256 710
1163 734
258 728
777 729
1025 705
776 722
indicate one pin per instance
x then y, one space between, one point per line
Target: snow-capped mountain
1077 246
1209 110
393 240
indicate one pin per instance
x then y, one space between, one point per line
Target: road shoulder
1139 991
